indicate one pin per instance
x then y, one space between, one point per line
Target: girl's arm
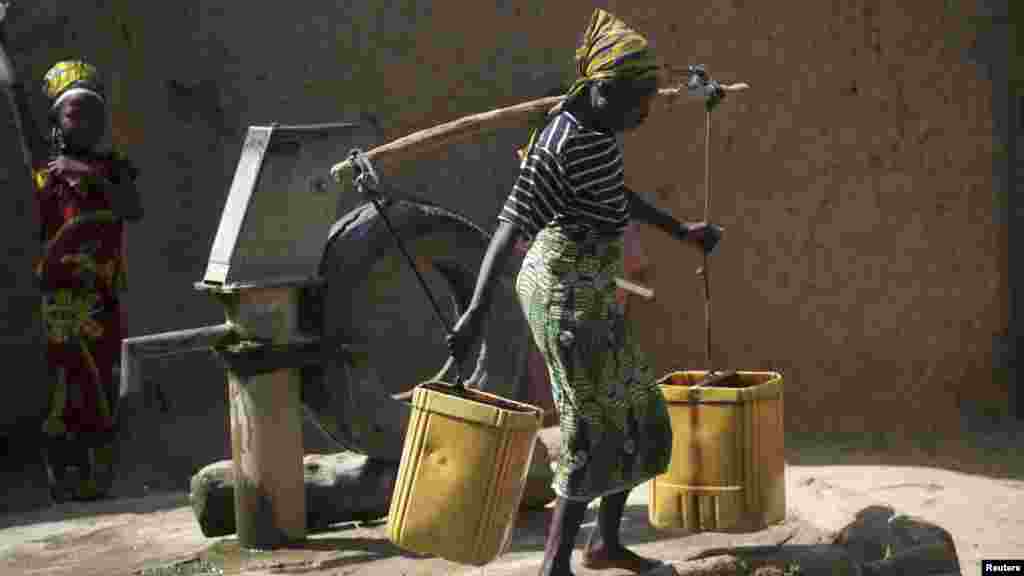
700 234
33 146
467 330
498 251
642 211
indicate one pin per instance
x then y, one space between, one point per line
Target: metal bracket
700 85
364 176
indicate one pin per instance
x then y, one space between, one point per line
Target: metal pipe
287 130
135 350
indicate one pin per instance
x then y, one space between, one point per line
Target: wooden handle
641 291
738 87
714 378
392 154
408 147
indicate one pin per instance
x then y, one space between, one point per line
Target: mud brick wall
855 178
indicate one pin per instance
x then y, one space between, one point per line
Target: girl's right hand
67 166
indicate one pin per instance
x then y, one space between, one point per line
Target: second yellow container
464 465
727 471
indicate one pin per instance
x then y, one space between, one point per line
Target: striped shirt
572 177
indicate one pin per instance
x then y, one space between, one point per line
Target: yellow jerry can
463 469
727 472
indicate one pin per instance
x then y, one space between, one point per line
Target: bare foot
601 558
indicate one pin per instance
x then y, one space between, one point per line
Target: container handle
711 378
435 379
449 365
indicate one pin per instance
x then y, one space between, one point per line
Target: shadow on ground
802 559
165 453
344 551
531 530
74 510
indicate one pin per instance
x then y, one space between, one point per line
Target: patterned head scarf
71 77
609 50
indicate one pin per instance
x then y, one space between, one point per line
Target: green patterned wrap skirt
615 426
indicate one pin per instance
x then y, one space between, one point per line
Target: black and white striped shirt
574 177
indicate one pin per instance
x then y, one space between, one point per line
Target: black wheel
373 303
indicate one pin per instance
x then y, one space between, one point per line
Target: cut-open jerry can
727 471
463 470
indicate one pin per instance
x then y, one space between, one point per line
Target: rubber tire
374 304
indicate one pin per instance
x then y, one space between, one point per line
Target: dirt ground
973 486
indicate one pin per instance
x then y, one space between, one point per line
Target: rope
706 272
366 180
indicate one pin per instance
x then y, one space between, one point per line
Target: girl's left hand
465 334
67 166
706 235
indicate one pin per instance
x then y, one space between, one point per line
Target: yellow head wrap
70 75
609 50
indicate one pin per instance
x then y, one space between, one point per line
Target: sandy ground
985 516
972 485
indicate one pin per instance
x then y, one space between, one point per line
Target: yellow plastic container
464 465
727 472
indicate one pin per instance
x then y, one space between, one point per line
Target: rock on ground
878 542
891 544
340 487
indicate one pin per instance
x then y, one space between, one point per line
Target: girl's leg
565 525
54 455
604 548
107 444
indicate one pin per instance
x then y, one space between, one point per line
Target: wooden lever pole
394 153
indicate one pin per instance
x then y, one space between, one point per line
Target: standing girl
84 195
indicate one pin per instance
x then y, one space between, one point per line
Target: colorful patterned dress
570 200
81 272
